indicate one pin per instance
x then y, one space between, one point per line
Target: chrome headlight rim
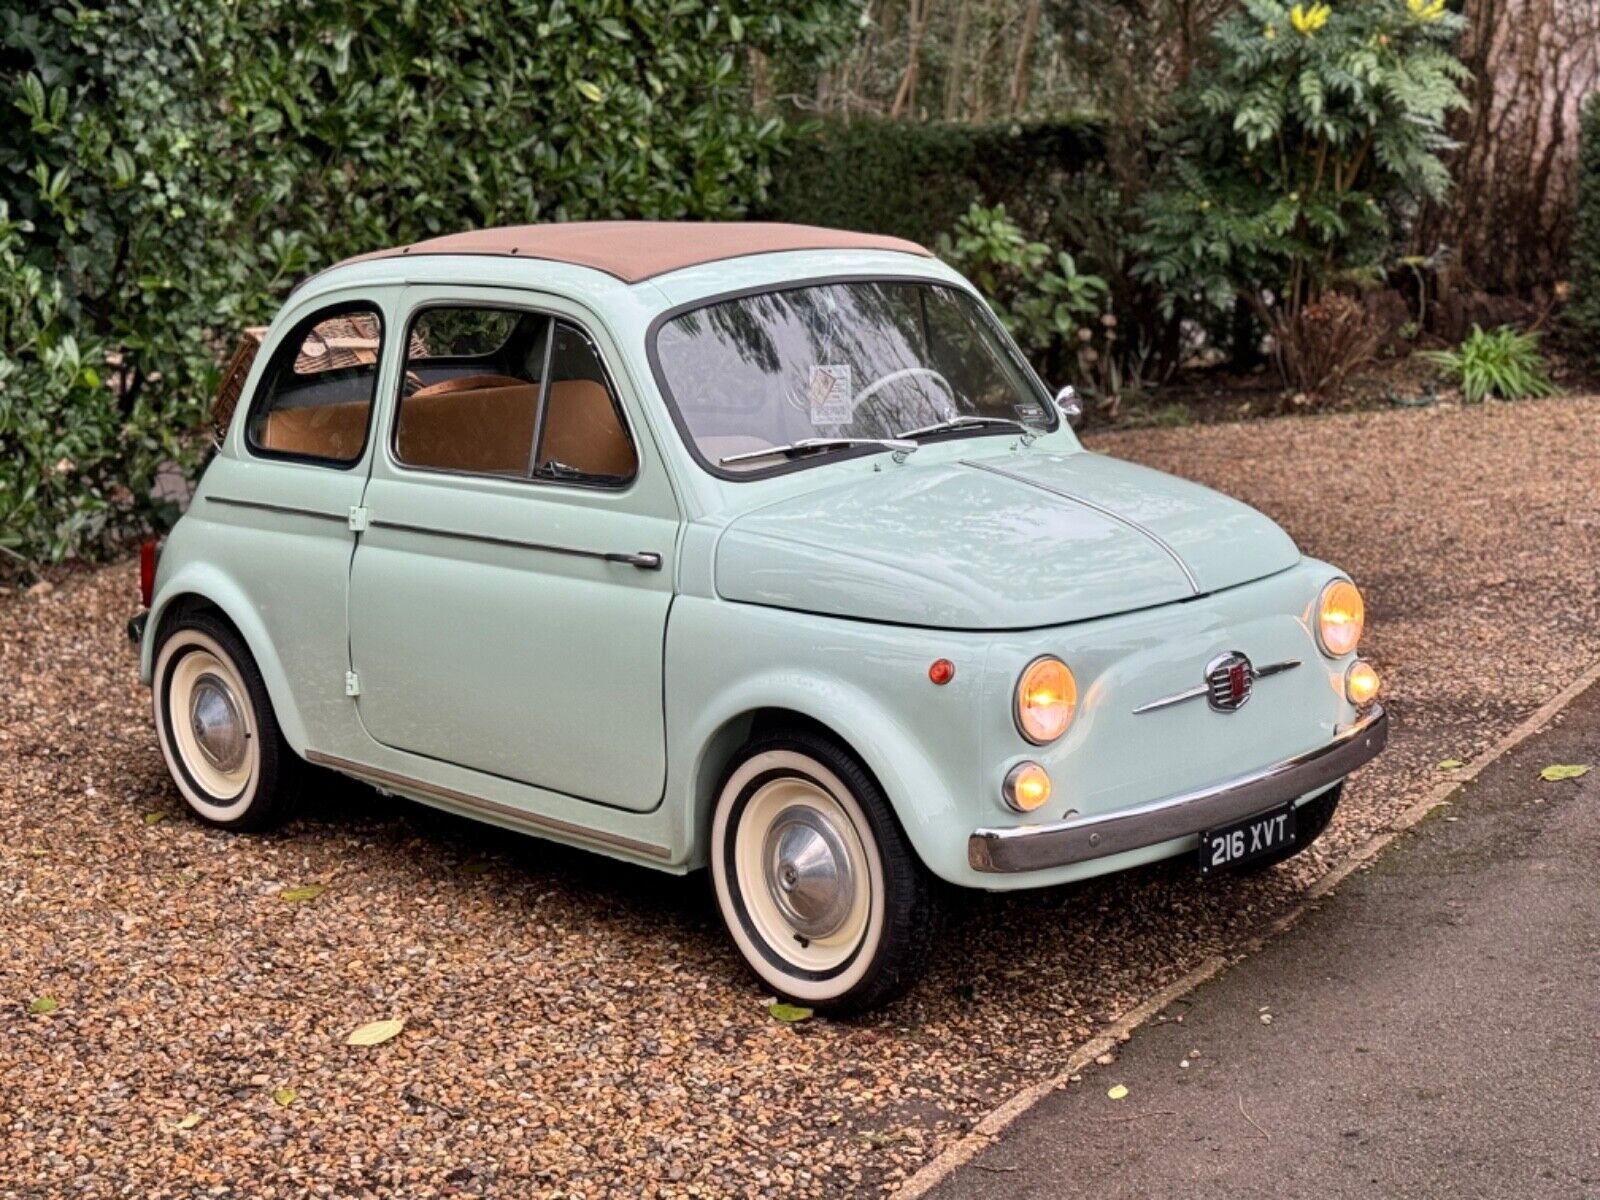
1017 693
1322 604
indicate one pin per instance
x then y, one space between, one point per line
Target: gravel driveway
578 1028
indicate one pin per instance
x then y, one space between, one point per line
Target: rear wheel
216 727
822 893
1311 820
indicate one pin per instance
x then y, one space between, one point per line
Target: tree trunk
958 52
1508 220
907 93
1020 75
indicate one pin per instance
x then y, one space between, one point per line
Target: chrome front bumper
1079 839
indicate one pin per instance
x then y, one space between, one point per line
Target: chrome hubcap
218 728
808 871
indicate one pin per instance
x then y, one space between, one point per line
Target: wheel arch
205 589
882 745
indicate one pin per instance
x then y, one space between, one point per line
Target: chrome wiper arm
962 422
899 444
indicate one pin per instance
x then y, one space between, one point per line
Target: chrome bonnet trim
1200 689
1111 513
534 822
1081 839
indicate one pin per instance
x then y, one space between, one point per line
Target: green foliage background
916 180
1583 315
168 169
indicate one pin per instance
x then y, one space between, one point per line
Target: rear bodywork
821 594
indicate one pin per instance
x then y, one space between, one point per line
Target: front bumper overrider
1081 839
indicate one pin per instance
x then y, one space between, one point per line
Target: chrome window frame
611 486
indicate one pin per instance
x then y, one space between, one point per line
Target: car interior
479 386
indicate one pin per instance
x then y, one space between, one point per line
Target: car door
294 465
509 593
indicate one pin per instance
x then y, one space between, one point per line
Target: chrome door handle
645 560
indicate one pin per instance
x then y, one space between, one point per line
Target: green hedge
1583 315
915 180
169 168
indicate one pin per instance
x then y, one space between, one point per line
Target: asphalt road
1435 1028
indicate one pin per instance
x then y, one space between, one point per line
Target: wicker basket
233 377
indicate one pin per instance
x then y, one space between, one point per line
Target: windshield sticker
829 394
1030 412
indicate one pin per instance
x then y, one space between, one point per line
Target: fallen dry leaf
1118 1091
284 1096
190 1121
44 1004
1451 764
298 895
375 1033
1559 771
789 1013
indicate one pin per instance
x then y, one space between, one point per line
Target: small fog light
1361 683
1027 786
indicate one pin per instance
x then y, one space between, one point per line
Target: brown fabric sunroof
635 250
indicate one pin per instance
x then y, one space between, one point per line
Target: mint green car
750 547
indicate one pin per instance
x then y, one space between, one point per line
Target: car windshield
815 372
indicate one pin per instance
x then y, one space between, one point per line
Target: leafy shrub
1049 306
1504 363
1583 314
173 166
64 450
1325 342
1311 130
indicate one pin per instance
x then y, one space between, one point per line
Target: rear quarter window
314 402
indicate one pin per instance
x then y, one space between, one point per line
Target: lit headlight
1340 617
1047 696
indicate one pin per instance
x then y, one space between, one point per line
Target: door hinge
358 517
352 684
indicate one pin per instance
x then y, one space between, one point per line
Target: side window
316 396
481 387
471 389
582 435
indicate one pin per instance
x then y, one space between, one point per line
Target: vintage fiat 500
750 547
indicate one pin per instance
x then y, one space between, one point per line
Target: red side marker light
942 671
147 572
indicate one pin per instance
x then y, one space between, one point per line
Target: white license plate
1251 838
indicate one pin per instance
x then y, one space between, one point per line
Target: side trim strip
1155 538
644 560
291 509
466 800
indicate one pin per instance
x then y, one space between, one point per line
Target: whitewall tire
216 728
822 894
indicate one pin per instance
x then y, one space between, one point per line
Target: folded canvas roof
636 250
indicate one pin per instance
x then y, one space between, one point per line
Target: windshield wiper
898 444
963 422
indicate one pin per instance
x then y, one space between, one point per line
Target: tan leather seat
336 431
486 429
582 430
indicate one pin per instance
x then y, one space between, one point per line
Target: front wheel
822 893
217 729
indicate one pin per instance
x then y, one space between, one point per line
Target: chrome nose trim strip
1199 690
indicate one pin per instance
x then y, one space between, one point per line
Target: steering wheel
884 381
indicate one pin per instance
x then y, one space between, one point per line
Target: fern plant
1313 130
1503 363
